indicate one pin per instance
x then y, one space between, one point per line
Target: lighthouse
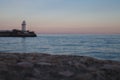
23 26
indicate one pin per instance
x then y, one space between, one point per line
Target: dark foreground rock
14 66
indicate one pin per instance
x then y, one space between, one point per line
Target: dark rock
79 65
86 76
31 78
36 73
25 65
111 67
66 73
112 72
34 66
7 58
44 64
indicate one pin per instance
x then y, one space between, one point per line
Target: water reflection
23 44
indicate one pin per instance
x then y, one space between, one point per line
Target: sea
101 46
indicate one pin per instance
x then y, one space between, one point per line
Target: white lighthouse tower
23 26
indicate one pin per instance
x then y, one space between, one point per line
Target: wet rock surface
35 66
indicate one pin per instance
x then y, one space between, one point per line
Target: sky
62 16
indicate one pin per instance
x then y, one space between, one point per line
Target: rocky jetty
36 66
17 33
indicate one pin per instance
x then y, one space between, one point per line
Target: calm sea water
99 46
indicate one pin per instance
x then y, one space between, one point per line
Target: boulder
111 67
25 65
66 73
43 64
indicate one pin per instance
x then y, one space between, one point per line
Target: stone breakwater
34 66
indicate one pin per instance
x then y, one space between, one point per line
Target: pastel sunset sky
61 16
